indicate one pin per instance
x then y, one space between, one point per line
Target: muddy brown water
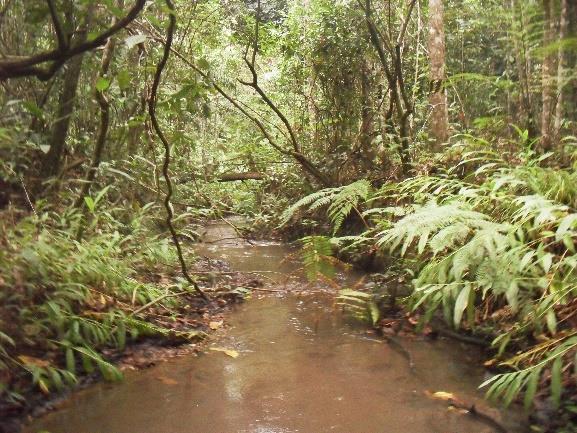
301 367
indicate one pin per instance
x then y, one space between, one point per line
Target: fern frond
347 199
341 201
428 220
317 254
507 386
322 196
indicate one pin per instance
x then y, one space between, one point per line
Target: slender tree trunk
526 110
366 111
438 96
561 70
572 62
104 106
547 77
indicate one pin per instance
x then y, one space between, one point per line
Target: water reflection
300 368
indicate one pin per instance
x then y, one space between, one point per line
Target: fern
362 306
431 220
316 253
340 201
551 354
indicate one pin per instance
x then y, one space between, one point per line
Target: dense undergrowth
490 244
66 300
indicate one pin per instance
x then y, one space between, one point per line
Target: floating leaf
442 395
167 380
230 352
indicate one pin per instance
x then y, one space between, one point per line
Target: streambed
301 367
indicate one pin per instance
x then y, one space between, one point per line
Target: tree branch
62 42
403 31
104 106
17 66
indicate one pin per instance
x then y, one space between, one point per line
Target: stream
301 367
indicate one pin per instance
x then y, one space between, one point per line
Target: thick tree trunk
53 159
438 97
547 77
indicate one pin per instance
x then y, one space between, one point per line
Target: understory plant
491 245
65 301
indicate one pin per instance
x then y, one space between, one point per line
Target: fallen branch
475 413
460 337
397 346
231 177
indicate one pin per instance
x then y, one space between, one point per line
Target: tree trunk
367 115
53 159
438 97
527 113
561 70
547 77
572 61
104 107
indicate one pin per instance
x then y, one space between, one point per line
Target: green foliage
363 306
550 355
499 240
489 246
76 297
317 257
340 201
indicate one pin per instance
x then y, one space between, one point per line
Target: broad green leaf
547 261
551 321
531 390
375 312
123 79
102 84
556 378
6 338
70 361
89 203
460 304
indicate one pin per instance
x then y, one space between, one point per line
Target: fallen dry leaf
230 352
167 380
215 325
37 362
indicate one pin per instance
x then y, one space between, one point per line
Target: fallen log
231 177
